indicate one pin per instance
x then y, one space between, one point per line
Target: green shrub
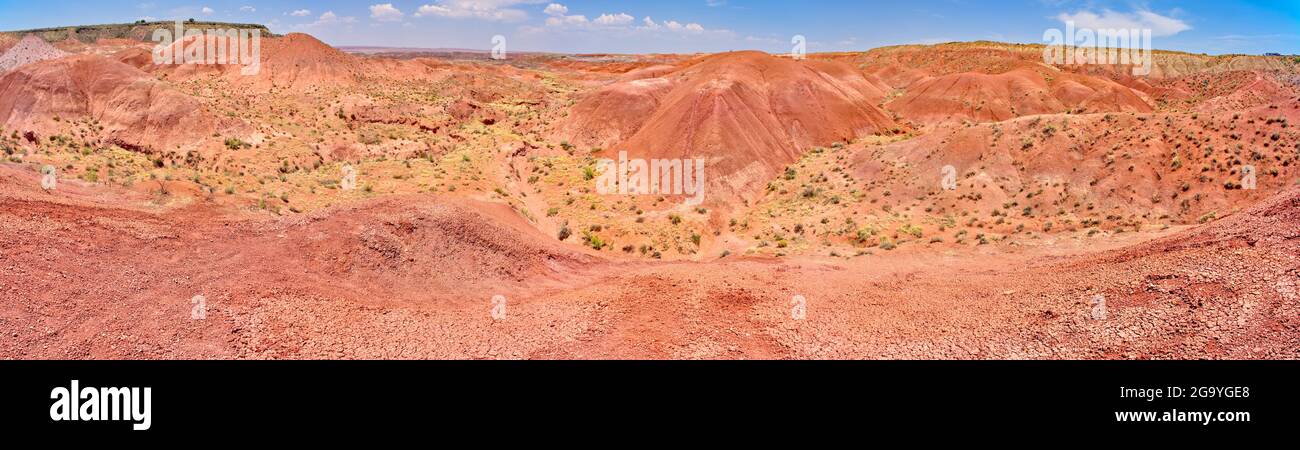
594 241
236 144
912 230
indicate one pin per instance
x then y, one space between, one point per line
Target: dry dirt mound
135 109
748 114
446 247
1275 221
31 49
1099 170
991 98
299 61
296 62
1259 89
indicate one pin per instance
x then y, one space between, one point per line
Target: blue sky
1216 27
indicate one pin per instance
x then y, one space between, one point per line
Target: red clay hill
748 114
297 62
1027 91
134 109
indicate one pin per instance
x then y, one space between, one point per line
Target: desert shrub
865 233
887 244
593 240
236 144
911 230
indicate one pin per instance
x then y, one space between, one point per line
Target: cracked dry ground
87 275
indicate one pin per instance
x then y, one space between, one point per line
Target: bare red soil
127 106
829 231
343 283
993 98
748 114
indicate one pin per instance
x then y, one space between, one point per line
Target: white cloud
207 11
386 12
247 9
559 21
301 13
620 19
490 10
620 23
1108 19
329 18
556 9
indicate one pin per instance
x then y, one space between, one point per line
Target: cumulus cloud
490 10
207 11
247 9
556 9
1108 19
386 12
329 18
620 19
561 20
301 13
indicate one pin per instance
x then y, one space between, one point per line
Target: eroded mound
126 106
296 62
992 98
748 114
1109 171
446 247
